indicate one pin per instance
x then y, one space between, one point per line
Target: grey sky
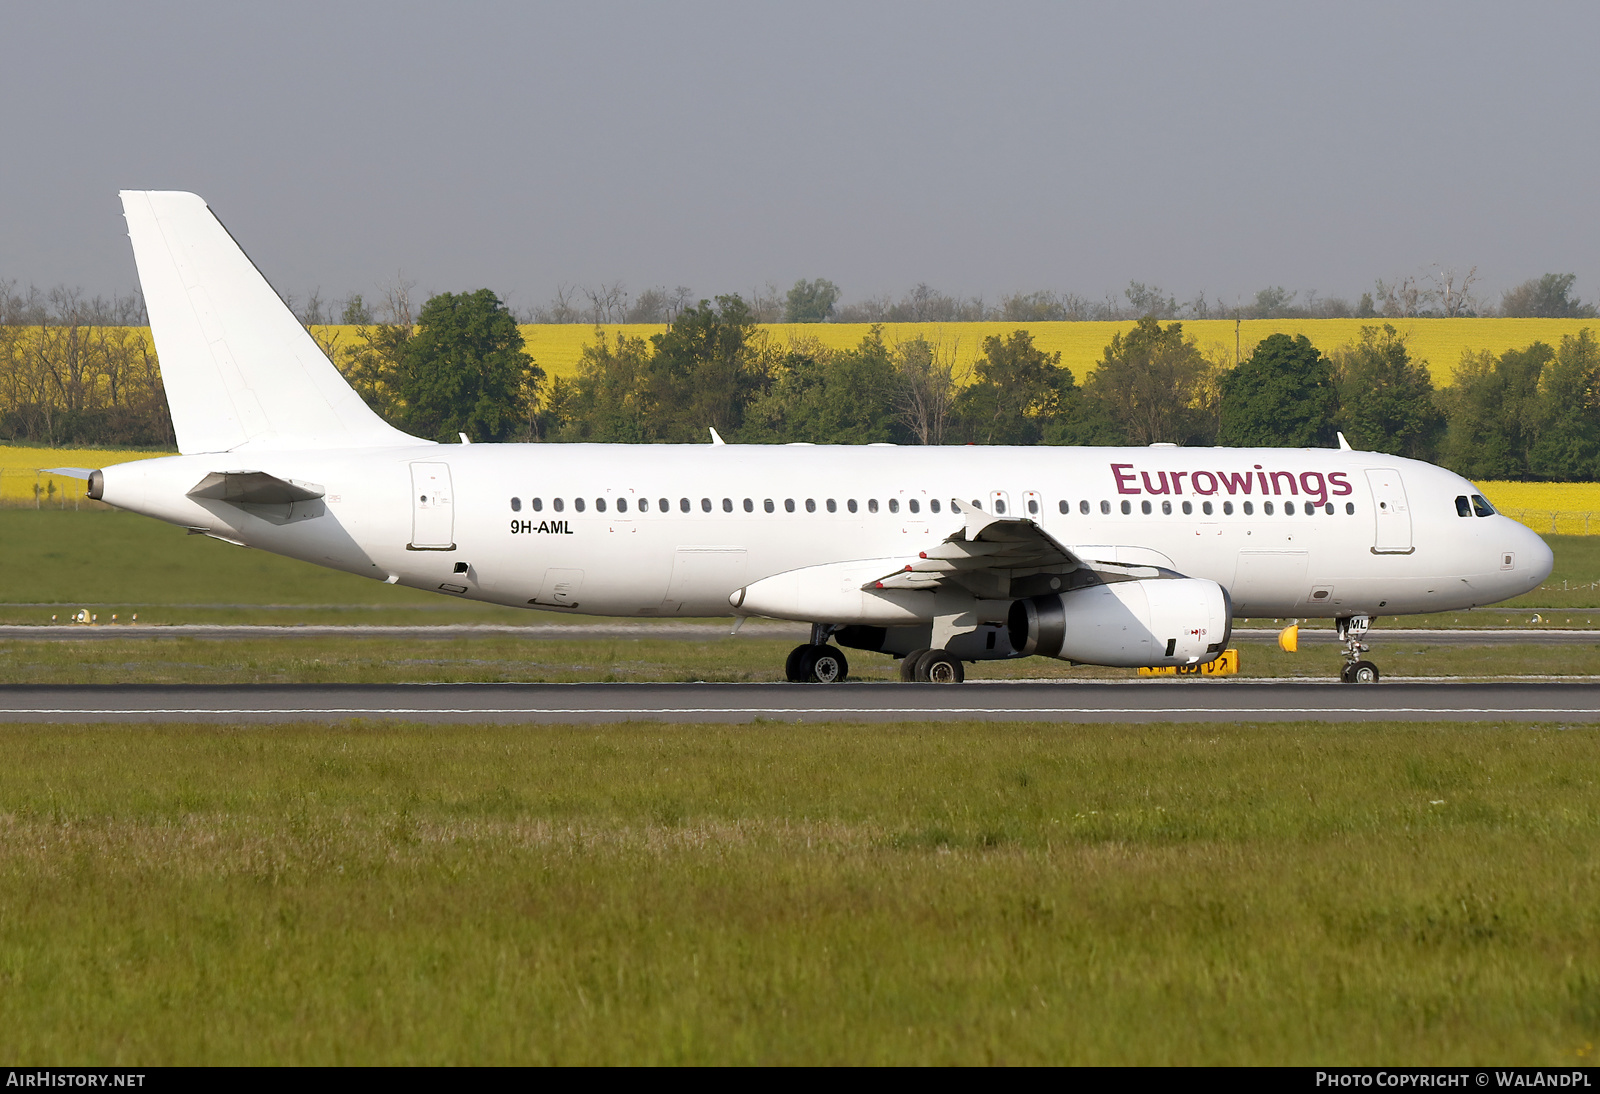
983 148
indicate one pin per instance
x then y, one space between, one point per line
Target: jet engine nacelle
1126 624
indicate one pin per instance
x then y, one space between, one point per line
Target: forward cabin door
1392 514
433 521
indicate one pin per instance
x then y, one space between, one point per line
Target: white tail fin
238 367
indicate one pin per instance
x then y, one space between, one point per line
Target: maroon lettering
1160 475
1210 478
1341 485
1237 483
1313 487
1177 481
1276 475
1126 483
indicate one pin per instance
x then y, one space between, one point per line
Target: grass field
145 657
1395 894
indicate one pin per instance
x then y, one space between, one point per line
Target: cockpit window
1463 506
1481 506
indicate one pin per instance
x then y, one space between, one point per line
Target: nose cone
1535 560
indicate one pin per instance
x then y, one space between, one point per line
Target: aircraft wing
990 554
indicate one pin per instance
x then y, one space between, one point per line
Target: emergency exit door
433 521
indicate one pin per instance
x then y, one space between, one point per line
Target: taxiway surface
552 704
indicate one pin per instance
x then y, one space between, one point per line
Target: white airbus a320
937 555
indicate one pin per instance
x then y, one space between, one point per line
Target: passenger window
1127 507
644 505
914 505
933 505
851 505
872 505
1249 509
1463 506
558 505
536 504
516 505
1288 508
811 505
976 504
749 506
1144 507
788 505
1350 508
599 505
727 505
1083 507
1205 507
1266 507
1481 506
1105 506
683 505
1033 506
705 505
622 505
662 506
1188 507
1065 507
1166 508
1227 508
833 506
769 507
1328 508
578 504
894 505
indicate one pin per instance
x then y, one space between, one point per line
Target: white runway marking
547 711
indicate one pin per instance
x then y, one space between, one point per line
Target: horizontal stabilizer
69 472
254 488
237 366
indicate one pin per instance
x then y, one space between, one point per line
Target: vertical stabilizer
238 367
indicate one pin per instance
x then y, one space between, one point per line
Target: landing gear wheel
793 665
938 667
908 665
1363 672
824 665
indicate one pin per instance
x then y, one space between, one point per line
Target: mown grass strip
712 894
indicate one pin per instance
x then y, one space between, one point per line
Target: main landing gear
817 662
931 667
1350 630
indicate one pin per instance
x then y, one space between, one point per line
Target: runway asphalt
553 704
703 632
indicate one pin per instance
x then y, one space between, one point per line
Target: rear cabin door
433 519
1391 513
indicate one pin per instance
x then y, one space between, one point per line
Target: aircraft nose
1534 558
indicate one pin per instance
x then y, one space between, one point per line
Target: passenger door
433 519
1391 513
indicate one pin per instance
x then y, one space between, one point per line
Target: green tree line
460 366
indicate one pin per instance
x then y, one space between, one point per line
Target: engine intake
1126 624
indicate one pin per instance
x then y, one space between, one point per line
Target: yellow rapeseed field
1564 508
24 468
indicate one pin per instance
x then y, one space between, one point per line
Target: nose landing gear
1350 630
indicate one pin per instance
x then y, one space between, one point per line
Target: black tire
938 667
908 665
1364 672
1344 674
793 668
825 665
